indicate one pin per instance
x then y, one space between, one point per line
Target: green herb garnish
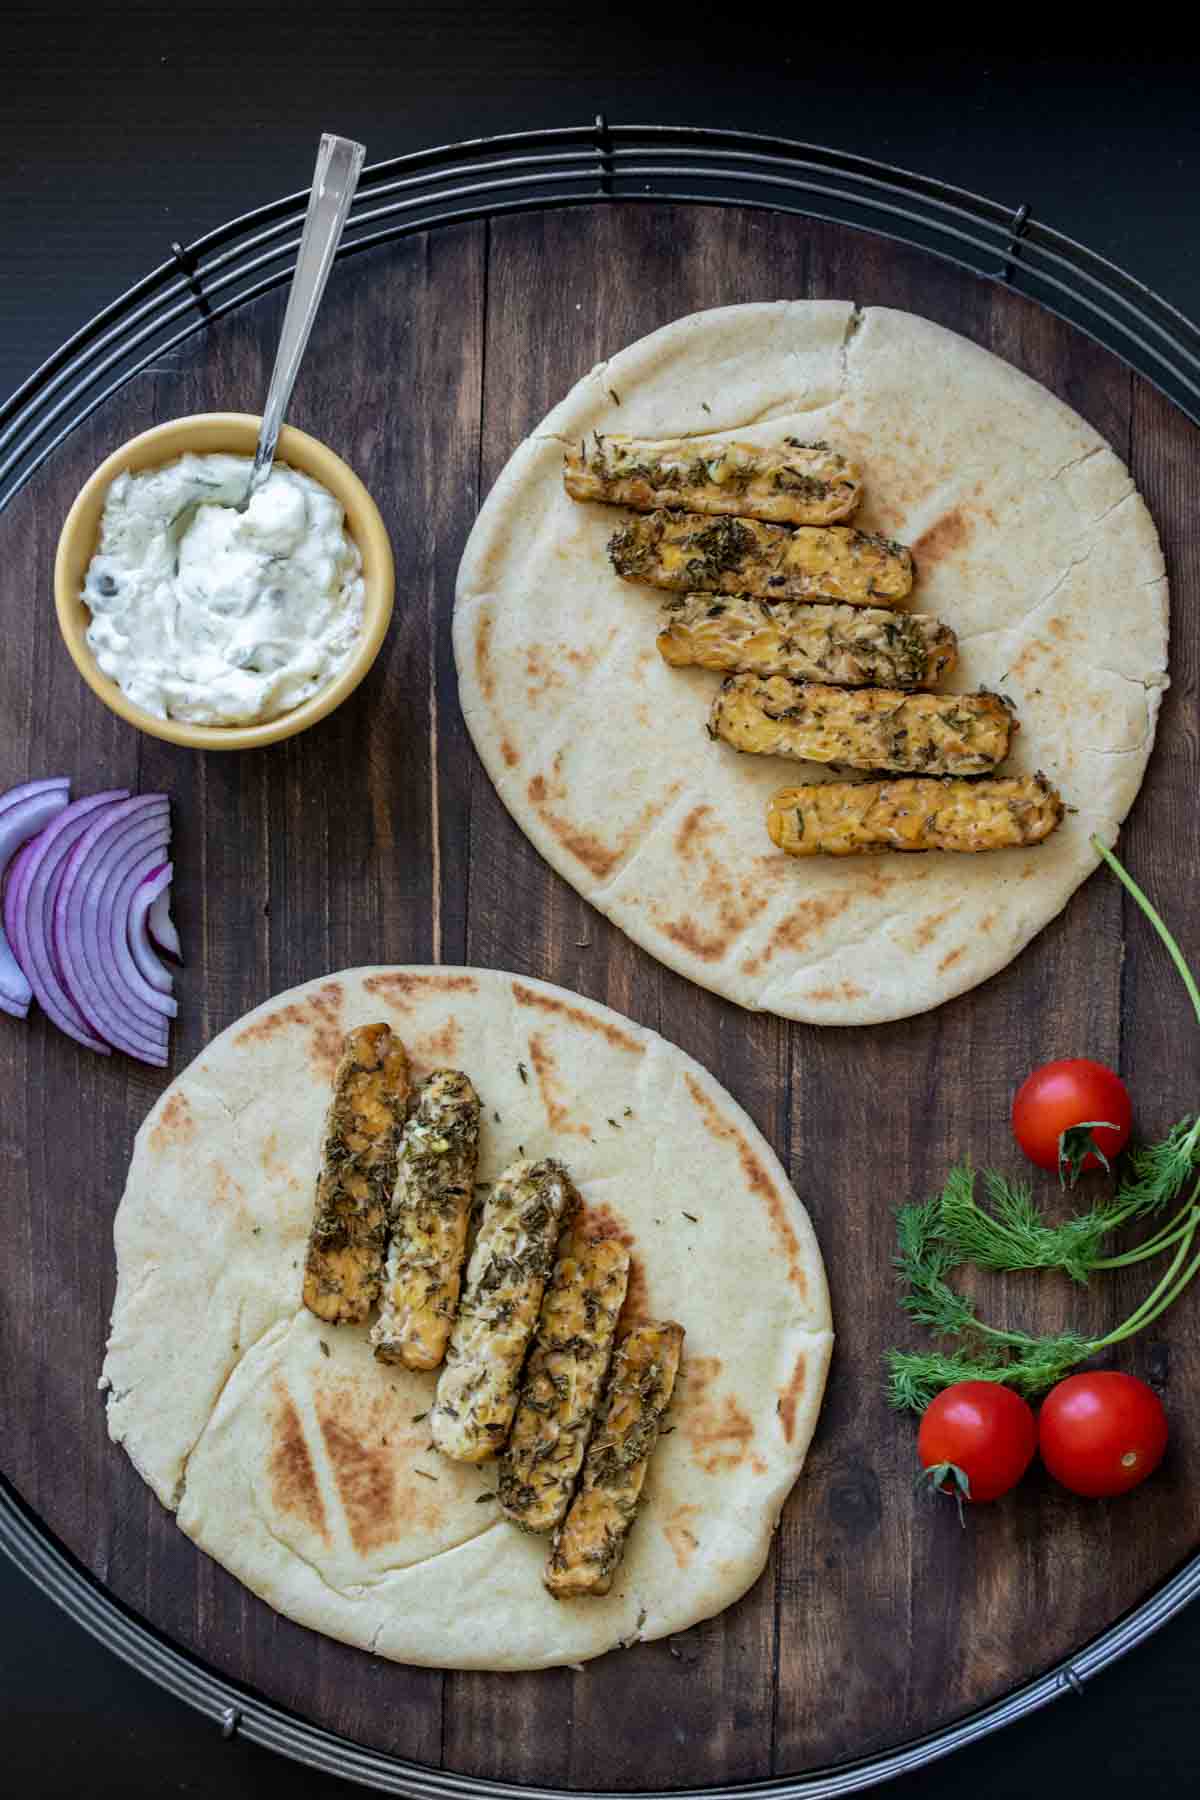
1009 1232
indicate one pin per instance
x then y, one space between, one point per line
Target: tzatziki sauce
219 617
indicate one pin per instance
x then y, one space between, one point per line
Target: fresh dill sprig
1157 1171
1012 1232
923 1260
1008 1231
929 1252
915 1377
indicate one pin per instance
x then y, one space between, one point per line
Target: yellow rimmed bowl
236 434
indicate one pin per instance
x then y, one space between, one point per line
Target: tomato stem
947 1478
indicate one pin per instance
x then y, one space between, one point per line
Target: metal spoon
339 163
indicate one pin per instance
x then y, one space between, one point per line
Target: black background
121 129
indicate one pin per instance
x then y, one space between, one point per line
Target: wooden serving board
377 837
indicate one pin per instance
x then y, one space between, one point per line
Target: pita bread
295 1458
1030 541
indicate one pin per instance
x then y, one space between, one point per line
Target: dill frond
1158 1171
922 1261
915 1377
1032 1366
1012 1232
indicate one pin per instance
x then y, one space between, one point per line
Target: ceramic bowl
235 433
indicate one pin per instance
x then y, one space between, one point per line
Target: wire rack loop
595 164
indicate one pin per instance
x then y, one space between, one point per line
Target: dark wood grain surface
377 837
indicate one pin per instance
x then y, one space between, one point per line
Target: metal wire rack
485 178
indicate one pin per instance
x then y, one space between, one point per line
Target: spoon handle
339 163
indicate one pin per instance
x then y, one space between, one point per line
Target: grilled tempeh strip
506 1278
561 1388
358 1167
842 818
428 1218
792 483
865 728
689 552
591 1540
851 646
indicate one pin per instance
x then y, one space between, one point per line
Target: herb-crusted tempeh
429 1214
358 1167
851 646
842 818
591 1541
792 483
687 552
506 1278
561 1388
865 728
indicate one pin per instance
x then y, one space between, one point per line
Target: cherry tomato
977 1439
1067 1111
1103 1433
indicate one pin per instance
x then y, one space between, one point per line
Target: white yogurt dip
203 613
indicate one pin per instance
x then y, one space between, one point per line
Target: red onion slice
116 933
30 790
110 1003
141 841
146 1009
29 899
152 888
24 812
162 926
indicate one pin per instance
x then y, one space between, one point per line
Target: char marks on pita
304 1465
1041 578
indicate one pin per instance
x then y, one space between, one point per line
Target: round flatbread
304 1465
1030 541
